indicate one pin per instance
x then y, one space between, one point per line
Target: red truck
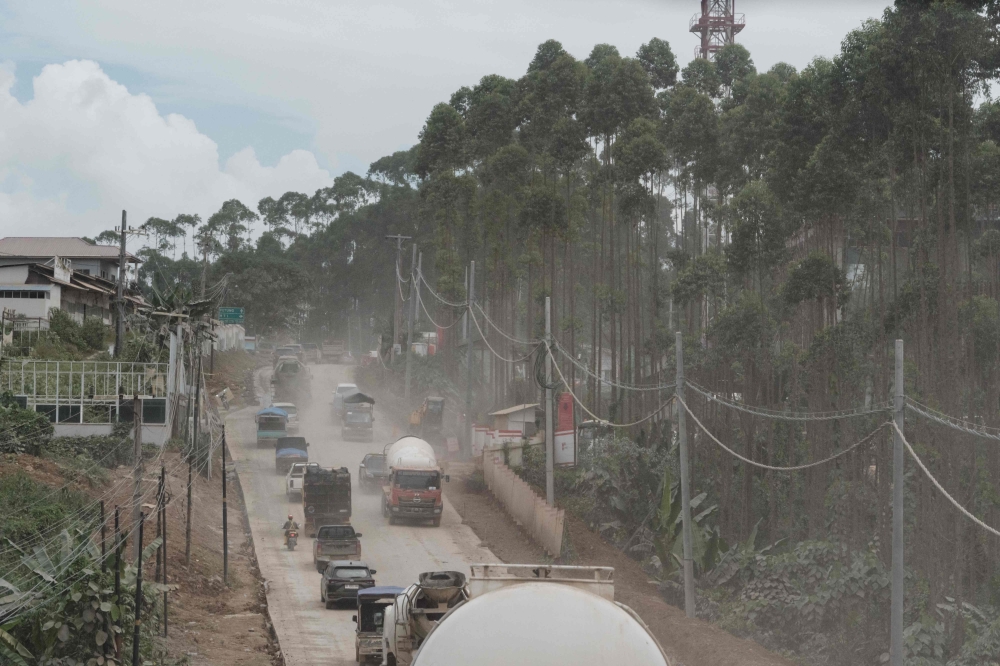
412 490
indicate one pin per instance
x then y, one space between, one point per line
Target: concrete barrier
542 522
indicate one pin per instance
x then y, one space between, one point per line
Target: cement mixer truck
414 613
536 615
412 490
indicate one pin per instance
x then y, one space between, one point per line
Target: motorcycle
293 538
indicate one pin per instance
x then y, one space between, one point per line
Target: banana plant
707 544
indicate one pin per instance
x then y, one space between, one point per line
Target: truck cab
326 497
271 426
370 620
288 451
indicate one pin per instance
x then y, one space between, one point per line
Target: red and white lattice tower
718 25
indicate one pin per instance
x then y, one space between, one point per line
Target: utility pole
471 295
397 313
689 607
191 456
550 488
409 321
137 472
896 610
120 300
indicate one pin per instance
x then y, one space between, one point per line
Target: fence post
104 552
225 517
550 447
118 579
896 614
137 471
689 601
163 546
138 594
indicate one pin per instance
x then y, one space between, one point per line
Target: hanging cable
920 463
772 468
487 343
785 416
438 296
603 421
607 382
950 421
428 314
504 333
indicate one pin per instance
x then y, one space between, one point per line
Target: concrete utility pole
412 314
137 472
397 313
550 444
896 611
689 607
471 295
120 300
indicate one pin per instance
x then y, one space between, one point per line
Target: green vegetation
791 224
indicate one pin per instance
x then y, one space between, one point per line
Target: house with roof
80 278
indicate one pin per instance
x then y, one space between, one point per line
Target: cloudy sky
169 107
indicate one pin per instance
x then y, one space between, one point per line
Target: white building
38 274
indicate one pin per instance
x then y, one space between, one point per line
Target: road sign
231 315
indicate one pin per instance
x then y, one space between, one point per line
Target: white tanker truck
523 615
412 491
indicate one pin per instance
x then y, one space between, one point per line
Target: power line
598 418
772 468
786 416
504 333
965 512
950 421
439 297
607 382
487 343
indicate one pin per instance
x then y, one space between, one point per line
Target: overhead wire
495 353
438 296
785 416
923 468
950 421
598 418
773 468
607 382
499 330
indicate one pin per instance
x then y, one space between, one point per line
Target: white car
292 426
338 395
293 480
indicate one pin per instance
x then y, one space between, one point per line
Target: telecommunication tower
718 25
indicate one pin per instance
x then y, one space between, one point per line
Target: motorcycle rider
289 525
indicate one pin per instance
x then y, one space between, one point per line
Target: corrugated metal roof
56 246
511 410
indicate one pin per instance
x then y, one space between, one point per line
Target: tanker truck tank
540 616
412 491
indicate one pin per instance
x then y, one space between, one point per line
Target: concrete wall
542 522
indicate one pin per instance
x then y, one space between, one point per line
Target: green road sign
231 315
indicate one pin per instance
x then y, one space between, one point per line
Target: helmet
290 517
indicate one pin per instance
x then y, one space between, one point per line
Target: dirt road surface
307 632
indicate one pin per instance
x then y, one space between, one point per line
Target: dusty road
308 633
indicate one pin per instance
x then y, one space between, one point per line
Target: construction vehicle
272 425
290 380
326 497
413 488
426 422
413 614
533 615
289 451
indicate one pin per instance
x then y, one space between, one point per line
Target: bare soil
689 642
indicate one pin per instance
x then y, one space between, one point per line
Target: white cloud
84 148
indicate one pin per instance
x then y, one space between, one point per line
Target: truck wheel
437 522
392 520
357 654
329 604
390 659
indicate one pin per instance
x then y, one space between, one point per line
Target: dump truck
560 616
416 610
288 451
412 491
290 381
326 497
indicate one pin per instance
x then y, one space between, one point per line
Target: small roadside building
520 418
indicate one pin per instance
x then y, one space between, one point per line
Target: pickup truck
335 542
293 480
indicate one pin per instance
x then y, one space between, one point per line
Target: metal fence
86 391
